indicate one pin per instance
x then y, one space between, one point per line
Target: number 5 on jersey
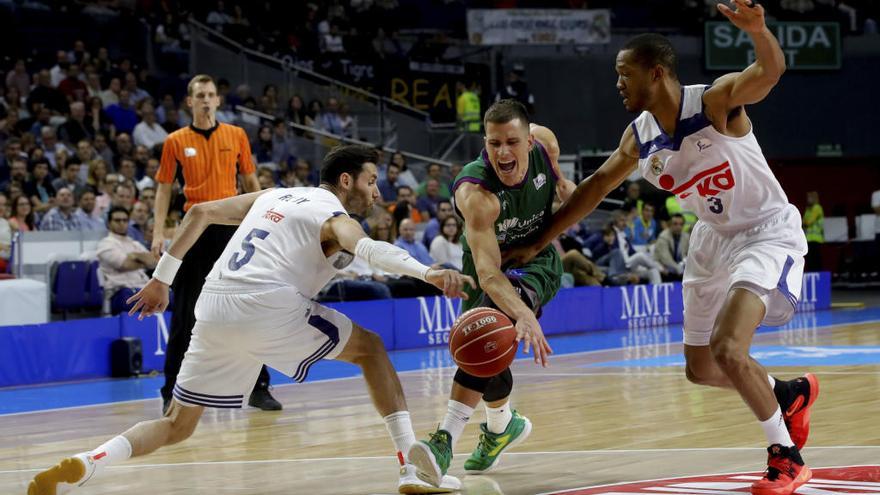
235 262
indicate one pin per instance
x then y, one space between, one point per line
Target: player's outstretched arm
755 82
153 297
390 258
588 194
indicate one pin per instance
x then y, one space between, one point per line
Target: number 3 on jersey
235 262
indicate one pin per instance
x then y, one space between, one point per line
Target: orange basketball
483 342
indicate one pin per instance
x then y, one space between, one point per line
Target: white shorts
237 331
767 259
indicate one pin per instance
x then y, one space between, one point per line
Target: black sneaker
262 399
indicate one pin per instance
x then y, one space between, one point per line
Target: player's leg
143 438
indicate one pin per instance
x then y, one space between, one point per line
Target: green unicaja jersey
525 210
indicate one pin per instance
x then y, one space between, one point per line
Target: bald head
407 230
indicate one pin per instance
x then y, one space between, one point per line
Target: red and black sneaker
785 473
797 415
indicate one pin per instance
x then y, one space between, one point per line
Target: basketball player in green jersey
506 198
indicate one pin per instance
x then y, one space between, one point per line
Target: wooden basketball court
593 425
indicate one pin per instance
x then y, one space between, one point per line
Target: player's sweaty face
508 146
365 191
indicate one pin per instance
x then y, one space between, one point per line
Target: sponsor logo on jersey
540 180
826 481
708 183
703 144
273 215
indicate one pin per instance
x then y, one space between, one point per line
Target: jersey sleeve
245 158
168 163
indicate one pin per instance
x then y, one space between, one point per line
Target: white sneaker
411 483
63 477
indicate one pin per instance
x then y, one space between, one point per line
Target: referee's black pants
187 286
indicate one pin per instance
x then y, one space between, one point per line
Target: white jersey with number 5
724 180
279 243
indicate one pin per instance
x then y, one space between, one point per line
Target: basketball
483 342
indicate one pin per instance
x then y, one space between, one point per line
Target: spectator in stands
18 174
102 148
69 177
136 94
123 195
72 86
93 86
137 226
97 121
427 203
45 95
406 199
407 241
349 123
814 229
97 173
110 96
282 146
21 216
19 78
641 263
85 153
643 231
446 248
122 114
127 169
444 211
331 120
266 177
269 100
611 261
315 114
672 247
87 214
39 189
148 132
388 185
435 171
356 282
296 113
149 178
172 120
262 147
304 174
875 202
5 233
122 262
331 42
61 217
517 88
124 147
50 145
633 197
406 177
76 129
218 18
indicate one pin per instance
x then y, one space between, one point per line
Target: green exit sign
806 45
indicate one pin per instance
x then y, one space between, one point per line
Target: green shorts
537 282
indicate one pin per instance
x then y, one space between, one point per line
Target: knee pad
499 386
472 382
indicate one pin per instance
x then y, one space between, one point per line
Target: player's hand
158 244
519 255
746 15
528 330
450 282
150 300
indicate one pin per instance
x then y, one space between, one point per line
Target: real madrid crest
656 165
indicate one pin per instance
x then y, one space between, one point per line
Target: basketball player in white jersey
745 260
256 308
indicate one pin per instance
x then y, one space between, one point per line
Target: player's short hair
199 79
651 49
503 111
346 159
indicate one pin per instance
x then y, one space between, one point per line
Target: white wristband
166 269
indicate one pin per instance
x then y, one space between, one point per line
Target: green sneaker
432 457
488 452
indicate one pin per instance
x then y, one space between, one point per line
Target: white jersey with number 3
279 243
724 180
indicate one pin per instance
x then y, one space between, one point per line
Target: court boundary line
389 457
607 485
578 353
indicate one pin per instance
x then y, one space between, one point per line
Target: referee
211 155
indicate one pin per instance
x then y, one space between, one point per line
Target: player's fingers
470 280
724 9
135 308
137 295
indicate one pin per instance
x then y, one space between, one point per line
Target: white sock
115 450
497 418
401 431
776 431
772 381
457 416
